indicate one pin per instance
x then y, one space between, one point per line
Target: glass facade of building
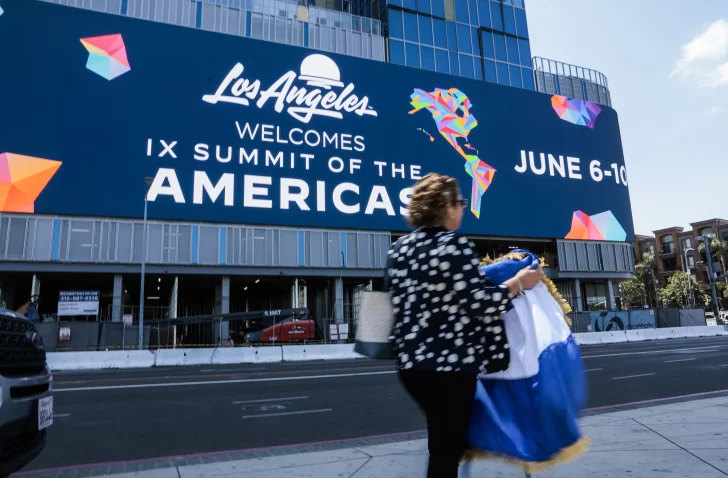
282 21
480 39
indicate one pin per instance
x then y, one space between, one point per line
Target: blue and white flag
528 414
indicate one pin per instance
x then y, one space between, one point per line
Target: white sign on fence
128 320
344 331
72 303
64 333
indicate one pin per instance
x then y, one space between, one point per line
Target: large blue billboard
235 130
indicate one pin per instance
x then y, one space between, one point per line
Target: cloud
701 55
715 110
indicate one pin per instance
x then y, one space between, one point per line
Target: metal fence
558 78
605 321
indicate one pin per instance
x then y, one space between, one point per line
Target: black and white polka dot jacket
447 317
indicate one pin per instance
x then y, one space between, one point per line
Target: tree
646 273
633 294
719 250
676 292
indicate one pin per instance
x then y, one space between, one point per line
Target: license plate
45 413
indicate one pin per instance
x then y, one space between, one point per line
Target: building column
116 302
35 287
338 300
577 296
610 296
224 308
173 299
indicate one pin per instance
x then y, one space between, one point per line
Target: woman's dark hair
430 199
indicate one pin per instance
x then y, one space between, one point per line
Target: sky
666 62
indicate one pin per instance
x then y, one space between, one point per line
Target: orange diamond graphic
22 179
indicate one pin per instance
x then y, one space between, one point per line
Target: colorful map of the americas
445 105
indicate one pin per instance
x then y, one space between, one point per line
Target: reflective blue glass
466 66
489 67
461 11
528 79
452 36
464 39
410 27
509 21
487 42
395 24
478 68
516 76
525 50
484 13
442 62
412 54
512 44
502 69
500 47
454 67
395 2
425 29
518 3
396 52
428 58
440 33
410 4
438 8
476 40
473 6
495 16
424 6
521 24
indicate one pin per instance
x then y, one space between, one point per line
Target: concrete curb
295 353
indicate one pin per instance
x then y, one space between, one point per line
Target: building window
691 261
687 243
705 231
669 265
668 245
595 296
652 249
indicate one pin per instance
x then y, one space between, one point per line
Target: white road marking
681 360
269 400
650 352
61 415
634 376
223 370
220 382
723 365
306 412
593 369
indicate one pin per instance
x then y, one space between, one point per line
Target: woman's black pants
447 399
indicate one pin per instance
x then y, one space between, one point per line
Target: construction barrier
240 355
100 360
298 353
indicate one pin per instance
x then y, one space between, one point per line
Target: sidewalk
677 440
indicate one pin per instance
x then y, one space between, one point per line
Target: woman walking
448 325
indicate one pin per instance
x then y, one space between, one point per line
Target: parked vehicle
26 392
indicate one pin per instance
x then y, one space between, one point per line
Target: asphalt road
117 416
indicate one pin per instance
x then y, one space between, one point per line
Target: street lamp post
148 182
688 276
711 277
